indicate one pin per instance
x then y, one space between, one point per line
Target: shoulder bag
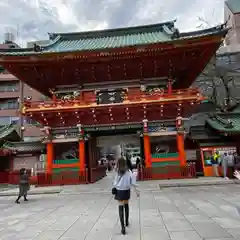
114 190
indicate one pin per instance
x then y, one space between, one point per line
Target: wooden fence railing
4 177
167 172
180 94
61 178
54 179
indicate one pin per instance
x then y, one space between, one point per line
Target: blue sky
32 19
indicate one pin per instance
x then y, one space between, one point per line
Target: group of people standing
228 162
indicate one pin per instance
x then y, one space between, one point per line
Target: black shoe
127 224
17 202
123 231
25 199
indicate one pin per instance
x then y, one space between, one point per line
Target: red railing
4 177
167 172
13 176
132 97
61 178
176 94
97 173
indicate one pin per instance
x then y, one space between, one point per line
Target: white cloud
34 18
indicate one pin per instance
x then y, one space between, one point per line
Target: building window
14 120
30 121
9 104
31 139
12 86
4 121
9 120
2 69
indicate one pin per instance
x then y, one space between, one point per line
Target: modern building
12 93
232 17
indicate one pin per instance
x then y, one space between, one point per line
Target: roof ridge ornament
176 33
37 48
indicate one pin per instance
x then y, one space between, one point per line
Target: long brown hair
121 166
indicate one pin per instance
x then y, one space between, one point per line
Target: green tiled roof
225 123
114 38
36 146
233 5
8 132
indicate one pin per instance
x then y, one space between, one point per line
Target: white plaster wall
107 141
117 143
25 161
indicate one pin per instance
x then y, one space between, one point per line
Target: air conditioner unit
42 158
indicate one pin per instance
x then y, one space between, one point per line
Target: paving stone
185 235
234 232
49 235
171 215
228 222
221 239
198 218
208 230
155 233
89 212
178 225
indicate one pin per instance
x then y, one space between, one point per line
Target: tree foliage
219 82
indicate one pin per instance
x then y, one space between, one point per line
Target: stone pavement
33 190
101 187
89 212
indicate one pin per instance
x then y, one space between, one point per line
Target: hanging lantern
145 125
179 122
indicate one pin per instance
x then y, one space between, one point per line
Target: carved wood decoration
155 90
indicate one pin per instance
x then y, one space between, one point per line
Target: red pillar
146 144
81 155
147 151
181 150
169 86
50 157
180 141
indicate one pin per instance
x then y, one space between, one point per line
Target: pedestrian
215 161
129 163
225 160
231 165
23 185
236 161
138 163
123 182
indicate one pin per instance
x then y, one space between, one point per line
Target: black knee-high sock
121 215
126 207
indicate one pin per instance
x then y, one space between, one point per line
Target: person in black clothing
123 182
23 185
129 163
236 161
138 163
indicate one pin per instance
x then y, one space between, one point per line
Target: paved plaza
89 212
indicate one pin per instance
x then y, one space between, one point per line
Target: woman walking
121 189
23 185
